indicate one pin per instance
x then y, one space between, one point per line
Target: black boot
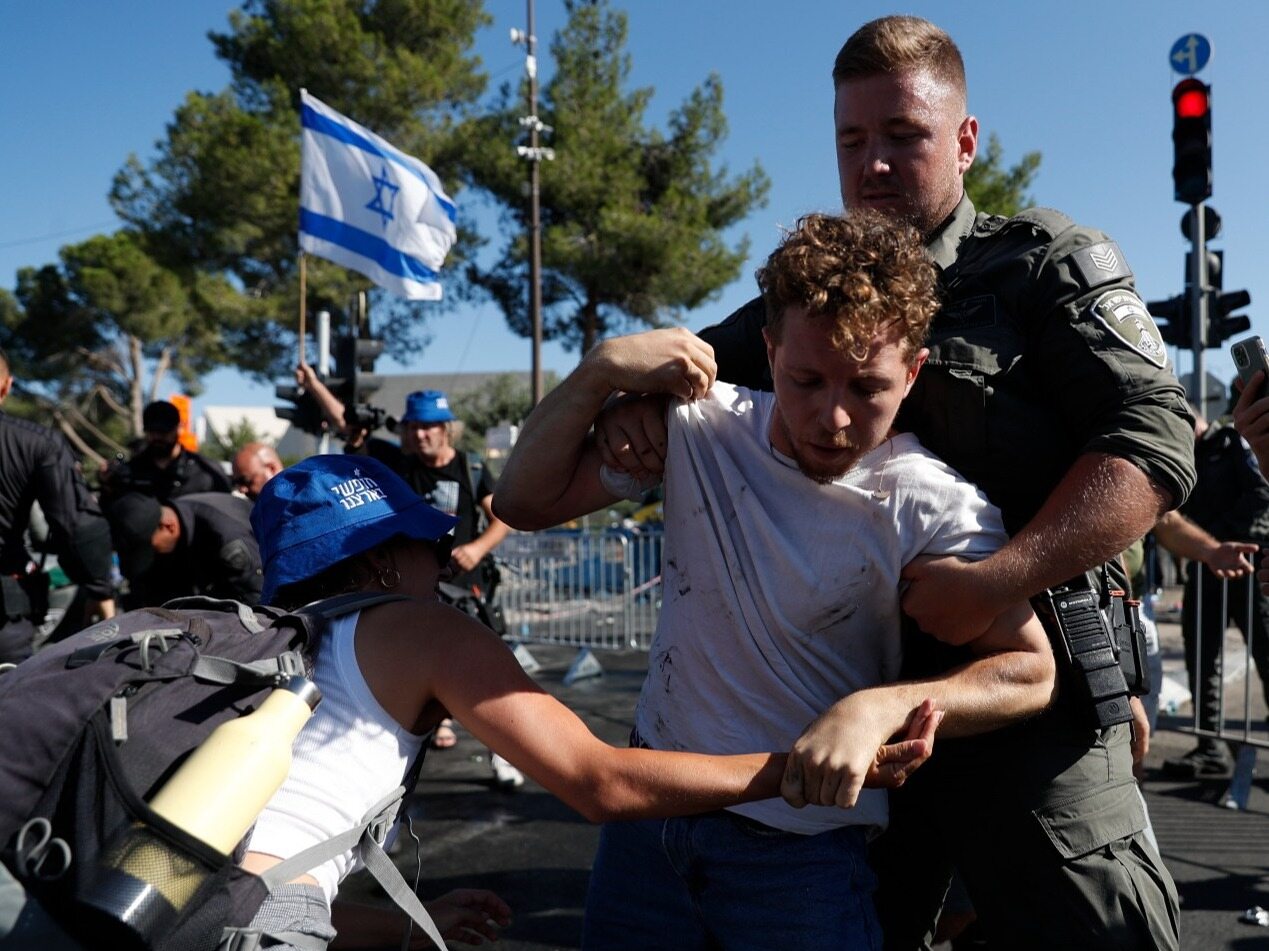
1211 759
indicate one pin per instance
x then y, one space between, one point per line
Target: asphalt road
535 852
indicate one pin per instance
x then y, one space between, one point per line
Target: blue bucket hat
427 406
328 508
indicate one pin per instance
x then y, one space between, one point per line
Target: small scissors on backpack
33 858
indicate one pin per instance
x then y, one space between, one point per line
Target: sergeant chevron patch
1104 259
1100 264
1124 315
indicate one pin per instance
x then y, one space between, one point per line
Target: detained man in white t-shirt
789 517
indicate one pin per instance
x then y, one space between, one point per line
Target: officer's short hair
897 43
5 368
861 270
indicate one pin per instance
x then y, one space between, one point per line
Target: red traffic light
1191 99
1192 139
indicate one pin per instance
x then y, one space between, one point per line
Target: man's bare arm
553 472
1183 537
1012 677
1102 505
332 409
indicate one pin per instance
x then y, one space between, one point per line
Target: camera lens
1240 358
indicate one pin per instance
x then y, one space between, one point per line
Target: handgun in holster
1099 643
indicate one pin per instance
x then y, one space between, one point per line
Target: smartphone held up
1249 356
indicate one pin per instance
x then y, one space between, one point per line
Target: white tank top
349 755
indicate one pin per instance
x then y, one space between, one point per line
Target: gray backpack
96 723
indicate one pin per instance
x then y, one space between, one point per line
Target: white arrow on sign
1190 53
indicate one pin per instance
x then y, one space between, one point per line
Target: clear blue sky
1085 83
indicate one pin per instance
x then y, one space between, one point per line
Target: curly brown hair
863 271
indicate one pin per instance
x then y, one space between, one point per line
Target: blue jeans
721 881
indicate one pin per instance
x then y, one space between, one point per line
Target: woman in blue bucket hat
390 673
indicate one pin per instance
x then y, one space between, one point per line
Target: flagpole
303 277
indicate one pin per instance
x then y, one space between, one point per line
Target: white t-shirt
350 754
781 595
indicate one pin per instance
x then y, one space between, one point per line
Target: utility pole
534 153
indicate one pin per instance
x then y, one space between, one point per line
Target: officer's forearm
1183 537
1013 676
1013 680
1102 505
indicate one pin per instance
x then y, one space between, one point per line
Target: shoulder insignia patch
1125 316
1100 264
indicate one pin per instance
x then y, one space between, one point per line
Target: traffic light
304 413
1172 317
1222 323
354 369
1215 268
1192 140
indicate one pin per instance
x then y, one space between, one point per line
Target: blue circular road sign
1190 53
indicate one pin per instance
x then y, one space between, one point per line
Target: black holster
1130 636
1079 620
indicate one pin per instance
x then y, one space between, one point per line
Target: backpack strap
475 469
246 613
474 466
367 836
329 608
221 670
389 877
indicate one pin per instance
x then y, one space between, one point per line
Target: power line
462 360
58 234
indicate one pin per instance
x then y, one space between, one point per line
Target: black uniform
456 488
189 473
36 466
1041 352
217 554
1231 501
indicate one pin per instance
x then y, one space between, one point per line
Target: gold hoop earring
389 578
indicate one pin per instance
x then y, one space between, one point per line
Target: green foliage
220 196
225 447
633 218
504 399
995 189
104 327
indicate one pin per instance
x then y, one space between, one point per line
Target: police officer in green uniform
1048 385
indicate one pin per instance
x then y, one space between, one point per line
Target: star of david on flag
368 206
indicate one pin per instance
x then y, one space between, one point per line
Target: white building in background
217 423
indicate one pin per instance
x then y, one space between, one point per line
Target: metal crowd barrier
599 590
1238 640
1228 632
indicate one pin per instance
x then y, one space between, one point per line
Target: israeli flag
368 206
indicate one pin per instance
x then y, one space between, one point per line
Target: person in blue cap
447 478
390 673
